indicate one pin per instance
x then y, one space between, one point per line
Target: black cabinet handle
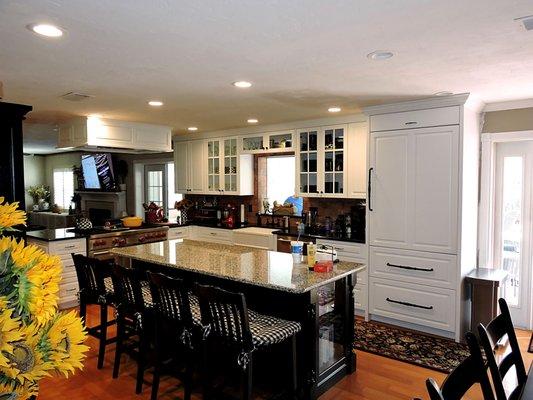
404 303
410 268
411 123
370 189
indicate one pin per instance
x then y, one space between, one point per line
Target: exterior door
513 236
155 184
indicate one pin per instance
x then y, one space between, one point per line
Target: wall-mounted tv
98 171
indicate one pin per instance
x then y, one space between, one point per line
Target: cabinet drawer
432 269
178 233
68 290
214 235
427 306
347 251
360 293
415 119
65 247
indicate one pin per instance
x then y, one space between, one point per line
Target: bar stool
229 324
95 288
134 318
174 329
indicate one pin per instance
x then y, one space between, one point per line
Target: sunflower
9 332
23 256
26 361
64 342
10 215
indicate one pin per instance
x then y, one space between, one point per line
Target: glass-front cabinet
213 165
272 142
320 160
230 165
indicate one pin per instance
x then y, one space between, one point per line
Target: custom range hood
102 134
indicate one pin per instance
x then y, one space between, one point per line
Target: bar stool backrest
171 299
91 273
469 372
226 315
499 366
128 290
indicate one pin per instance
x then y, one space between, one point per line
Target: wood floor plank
376 378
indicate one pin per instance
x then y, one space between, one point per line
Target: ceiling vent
74 96
527 22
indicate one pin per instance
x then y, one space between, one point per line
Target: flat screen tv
98 171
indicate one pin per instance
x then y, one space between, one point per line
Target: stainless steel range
100 241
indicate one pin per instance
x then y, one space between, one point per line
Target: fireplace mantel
114 202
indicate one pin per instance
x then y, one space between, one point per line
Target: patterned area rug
413 347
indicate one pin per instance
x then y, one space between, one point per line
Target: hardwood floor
376 378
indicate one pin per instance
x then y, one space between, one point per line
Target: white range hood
102 134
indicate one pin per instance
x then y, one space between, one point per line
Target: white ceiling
301 55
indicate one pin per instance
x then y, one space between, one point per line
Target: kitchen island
322 302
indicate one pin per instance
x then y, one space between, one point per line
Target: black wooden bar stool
175 333
95 287
229 324
134 318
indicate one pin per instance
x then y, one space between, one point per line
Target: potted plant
35 339
41 197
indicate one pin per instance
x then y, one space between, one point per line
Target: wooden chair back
468 373
226 315
499 365
91 273
128 290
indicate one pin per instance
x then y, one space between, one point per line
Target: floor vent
74 96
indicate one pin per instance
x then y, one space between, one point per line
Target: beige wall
33 175
520 119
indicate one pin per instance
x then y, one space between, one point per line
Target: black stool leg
157 367
294 372
188 377
103 335
206 373
141 362
118 349
247 381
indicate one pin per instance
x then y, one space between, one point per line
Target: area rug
412 347
530 348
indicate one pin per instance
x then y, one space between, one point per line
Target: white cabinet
68 287
181 232
422 212
331 161
271 142
228 171
189 167
215 235
261 238
92 132
413 181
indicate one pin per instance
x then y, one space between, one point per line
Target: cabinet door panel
181 160
197 166
435 185
388 202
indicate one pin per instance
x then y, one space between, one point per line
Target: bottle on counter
311 255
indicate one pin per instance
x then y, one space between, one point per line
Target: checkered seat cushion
108 285
267 330
147 294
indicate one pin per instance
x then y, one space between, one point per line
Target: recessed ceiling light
443 93
47 30
192 128
380 55
252 121
242 84
155 103
334 109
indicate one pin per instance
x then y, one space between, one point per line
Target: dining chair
174 330
95 288
501 364
471 371
134 318
230 325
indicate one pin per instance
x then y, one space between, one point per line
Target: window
63 187
159 187
280 172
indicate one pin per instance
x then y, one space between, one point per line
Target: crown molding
508 105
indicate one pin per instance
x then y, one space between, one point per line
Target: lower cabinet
214 235
68 288
178 233
261 238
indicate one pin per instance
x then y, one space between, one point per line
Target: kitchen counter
51 235
257 267
294 233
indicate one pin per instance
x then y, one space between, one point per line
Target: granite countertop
50 235
269 269
340 238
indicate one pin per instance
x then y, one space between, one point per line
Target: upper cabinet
228 171
189 167
330 161
272 142
93 132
